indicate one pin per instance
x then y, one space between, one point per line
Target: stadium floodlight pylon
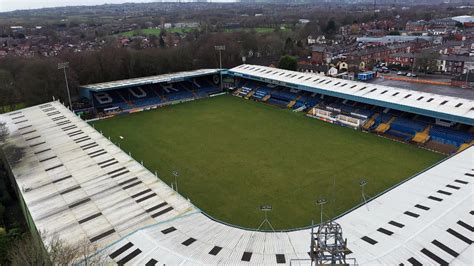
265 209
220 48
321 201
327 245
63 66
176 174
362 184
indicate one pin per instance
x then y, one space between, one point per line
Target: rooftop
77 183
440 106
149 80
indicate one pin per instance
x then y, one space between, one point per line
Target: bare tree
53 250
3 131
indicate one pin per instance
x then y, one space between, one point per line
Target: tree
162 42
40 80
3 131
331 27
426 61
289 45
288 62
30 250
7 90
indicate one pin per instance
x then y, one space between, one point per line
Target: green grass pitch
234 155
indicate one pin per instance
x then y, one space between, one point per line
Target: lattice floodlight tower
327 245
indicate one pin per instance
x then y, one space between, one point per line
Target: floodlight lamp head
63 65
321 201
219 47
362 182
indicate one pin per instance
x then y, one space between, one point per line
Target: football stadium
250 165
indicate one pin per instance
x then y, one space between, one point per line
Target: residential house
316 69
419 25
455 64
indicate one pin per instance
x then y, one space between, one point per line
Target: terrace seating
383 127
370 122
283 98
147 102
311 102
176 92
382 118
277 102
180 95
283 95
206 91
423 136
400 134
298 104
109 99
261 92
450 136
244 91
407 126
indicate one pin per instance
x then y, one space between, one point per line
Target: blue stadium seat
283 95
261 92
278 102
407 126
450 136
405 136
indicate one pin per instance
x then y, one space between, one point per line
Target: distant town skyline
11 5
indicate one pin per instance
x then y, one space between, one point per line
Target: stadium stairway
383 127
423 136
293 102
465 146
370 122
237 91
249 95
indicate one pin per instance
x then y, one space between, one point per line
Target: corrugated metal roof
148 80
398 226
440 106
78 184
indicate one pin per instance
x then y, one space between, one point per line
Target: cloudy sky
9 5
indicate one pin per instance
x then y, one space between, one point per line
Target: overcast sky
9 5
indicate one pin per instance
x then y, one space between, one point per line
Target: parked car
414 75
408 74
400 73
